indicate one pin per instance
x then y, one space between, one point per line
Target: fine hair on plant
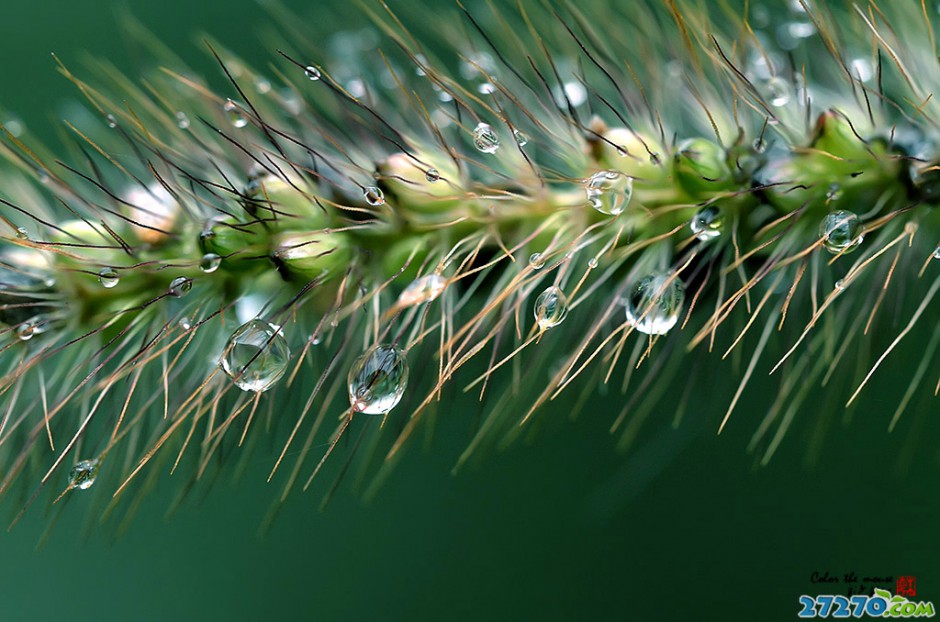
310 260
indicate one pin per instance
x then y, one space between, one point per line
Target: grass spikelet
310 262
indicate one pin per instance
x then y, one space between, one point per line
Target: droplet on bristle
108 277
377 380
654 303
256 356
235 116
551 308
485 139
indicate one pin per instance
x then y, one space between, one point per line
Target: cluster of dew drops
257 354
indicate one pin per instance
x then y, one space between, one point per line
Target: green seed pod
307 256
423 183
286 202
235 242
701 168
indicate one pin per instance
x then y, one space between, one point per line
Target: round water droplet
235 116
521 139
374 196
834 193
185 323
485 139
707 223
22 233
936 253
180 286
423 289
551 308
609 192
654 303
778 91
840 285
112 122
536 261
83 474
256 356
432 175
592 263
312 72
210 262
26 330
377 380
182 120
108 277
841 232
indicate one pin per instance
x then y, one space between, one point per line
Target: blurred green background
682 527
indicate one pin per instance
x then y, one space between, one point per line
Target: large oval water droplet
609 192
654 303
841 232
83 474
256 356
551 308
373 196
180 286
312 72
209 263
377 380
485 139
707 223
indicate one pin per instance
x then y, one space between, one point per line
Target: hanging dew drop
210 262
108 278
707 223
377 380
26 330
22 233
112 122
432 175
841 232
312 73
182 120
592 263
180 286
374 196
83 474
609 192
256 356
235 116
185 323
485 139
422 289
654 303
551 308
840 285
778 92
521 139
536 261
936 252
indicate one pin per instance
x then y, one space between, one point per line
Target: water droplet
778 91
180 286
374 196
312 72
551 308
185 323
432 175
182 120
422 289
263 85
377 380
235 116
861 68
26 330
841 232
654 303
609 192
834 192
592 263
108 277
83 474
485 139
22 233
936 252
707 223
840 285
521 139
256 356
486 88
209 263
112 122
315 340
536 261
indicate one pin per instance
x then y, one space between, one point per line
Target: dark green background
683 527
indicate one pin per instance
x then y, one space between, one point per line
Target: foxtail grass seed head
433 197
